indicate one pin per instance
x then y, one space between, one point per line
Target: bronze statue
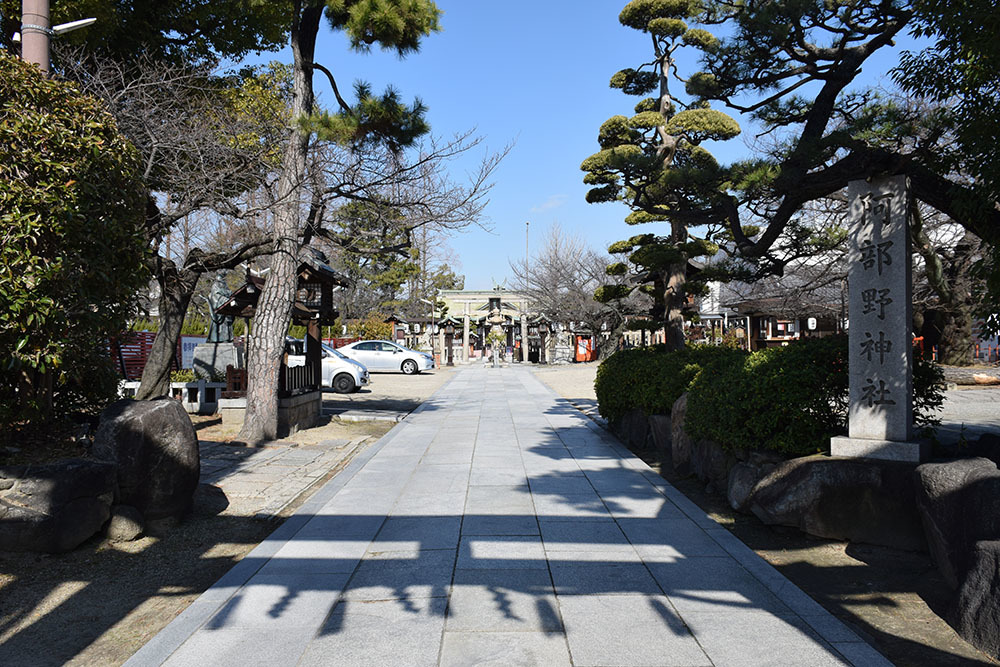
220 329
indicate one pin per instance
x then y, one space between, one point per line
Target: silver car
339 372
382 355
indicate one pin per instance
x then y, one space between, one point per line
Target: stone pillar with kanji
880 312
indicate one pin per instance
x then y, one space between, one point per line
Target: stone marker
880 418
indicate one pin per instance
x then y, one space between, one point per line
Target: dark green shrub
72 260
787 399
652 378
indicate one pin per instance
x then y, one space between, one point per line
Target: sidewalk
498 525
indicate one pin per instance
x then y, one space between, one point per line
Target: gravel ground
894 599
99 603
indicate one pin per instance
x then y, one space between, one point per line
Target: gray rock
126 524
660 427
977 613
957 502
633 429
711 463
860 500
155 448
743 477
680 444
54 507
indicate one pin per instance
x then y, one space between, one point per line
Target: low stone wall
294 413
857 500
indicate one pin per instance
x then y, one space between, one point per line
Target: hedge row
787 399
652 378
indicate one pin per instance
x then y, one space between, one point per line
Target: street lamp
35 31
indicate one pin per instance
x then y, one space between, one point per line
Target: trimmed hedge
789 399
652 378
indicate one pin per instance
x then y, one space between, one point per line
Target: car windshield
332 352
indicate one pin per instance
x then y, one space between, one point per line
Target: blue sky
533 73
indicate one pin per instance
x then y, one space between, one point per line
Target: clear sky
532 73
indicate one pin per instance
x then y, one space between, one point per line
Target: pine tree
654 162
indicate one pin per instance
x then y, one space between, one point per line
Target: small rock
126 524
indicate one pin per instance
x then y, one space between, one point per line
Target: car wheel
409 367
343 384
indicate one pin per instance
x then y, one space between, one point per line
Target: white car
340 373
382 355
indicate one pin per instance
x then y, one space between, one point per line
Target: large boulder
860 500
154 445
959 505
680 443
54 507
977 613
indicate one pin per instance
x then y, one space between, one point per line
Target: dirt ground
895 599
99 603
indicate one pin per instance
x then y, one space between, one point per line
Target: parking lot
389 397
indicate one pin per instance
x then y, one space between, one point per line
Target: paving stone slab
713 584
402 575
628 630
504 649
602 577
604 535
501 552
753 637
362 634
508 600
283 600
240 647
420 532
499 524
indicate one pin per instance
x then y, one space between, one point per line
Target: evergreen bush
652 378
790 399
72 260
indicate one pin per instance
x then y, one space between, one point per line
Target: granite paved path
496 525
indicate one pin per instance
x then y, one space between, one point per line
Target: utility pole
35 32
527 224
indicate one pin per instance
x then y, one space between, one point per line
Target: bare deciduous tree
203 151
560 279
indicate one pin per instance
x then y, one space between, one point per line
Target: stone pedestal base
887 450
211 359
294 413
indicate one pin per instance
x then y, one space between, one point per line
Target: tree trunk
955 345
274 309
674 295
176 290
